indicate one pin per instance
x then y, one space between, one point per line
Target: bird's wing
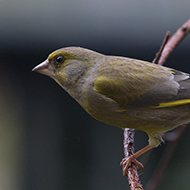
149 86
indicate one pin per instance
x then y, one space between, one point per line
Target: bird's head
68 66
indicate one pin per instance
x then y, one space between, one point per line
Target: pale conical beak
44 68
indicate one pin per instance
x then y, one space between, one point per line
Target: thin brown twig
165 51
132 175
181 33
159 53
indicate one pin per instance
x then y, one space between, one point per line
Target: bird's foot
126 163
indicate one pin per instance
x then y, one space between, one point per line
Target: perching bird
123 92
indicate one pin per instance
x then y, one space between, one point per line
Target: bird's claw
126 163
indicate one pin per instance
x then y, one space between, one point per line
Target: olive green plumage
122 92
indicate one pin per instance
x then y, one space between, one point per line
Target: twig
181 33
158 55
132 175
165 51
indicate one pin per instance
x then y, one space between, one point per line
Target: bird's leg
126 162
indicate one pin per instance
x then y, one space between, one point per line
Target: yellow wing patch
174 103
115 89
173 72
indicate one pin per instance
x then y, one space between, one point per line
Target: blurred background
47 141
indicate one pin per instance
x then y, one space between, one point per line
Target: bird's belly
152 120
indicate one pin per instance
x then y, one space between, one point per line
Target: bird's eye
59 59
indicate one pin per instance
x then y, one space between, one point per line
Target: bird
123 92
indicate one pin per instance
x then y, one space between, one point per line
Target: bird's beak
44 68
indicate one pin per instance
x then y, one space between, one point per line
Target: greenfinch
123 92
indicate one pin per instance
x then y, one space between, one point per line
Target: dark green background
47 141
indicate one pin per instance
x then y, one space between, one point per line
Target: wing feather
144 85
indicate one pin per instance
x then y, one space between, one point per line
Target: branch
158 55
181 33
128 144
166 48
